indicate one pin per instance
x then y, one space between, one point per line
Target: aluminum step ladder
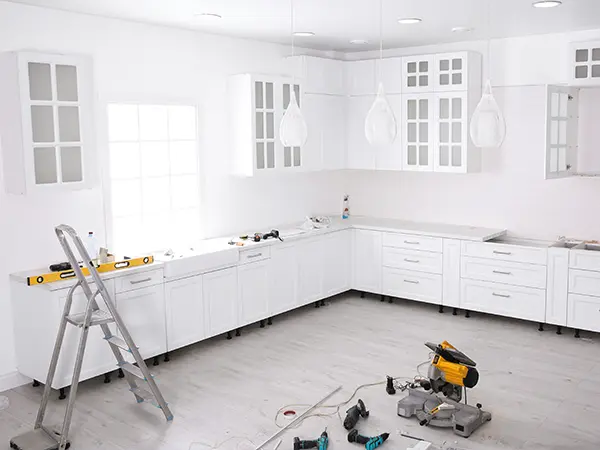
44 438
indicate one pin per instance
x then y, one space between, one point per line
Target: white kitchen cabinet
253 292
47 122
418 74
418 132
584 312
367 262
319 75
336 259
389 157
360 153
561 132
143 312
557 285
220 293
391 74
325 116
451 273
185 312
310 270
420 286
585 63
361 77
283 278
460 71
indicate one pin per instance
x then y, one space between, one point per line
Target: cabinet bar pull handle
255 255
412 260
500 295
502 273
411 281
502 253
412 242
141 281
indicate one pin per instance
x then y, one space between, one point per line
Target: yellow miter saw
451 372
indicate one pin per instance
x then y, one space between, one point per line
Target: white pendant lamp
488 128
293 131
380 123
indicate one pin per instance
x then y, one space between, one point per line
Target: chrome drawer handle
502 273
502 253
411 281
255 255
500 295
412 260
141 281
412 242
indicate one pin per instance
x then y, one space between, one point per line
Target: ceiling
336 22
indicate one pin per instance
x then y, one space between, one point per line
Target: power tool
320 444
354 413
450 372
369 442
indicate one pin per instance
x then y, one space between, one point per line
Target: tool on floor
370 443
321 443
450 373
354 413
44 438
389 386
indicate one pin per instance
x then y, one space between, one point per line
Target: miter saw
450 372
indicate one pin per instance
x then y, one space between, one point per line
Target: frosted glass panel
457 64
596 54
297 157
444 155
258 95
66 83
270 126
456 78
553 160
457 108
581 72
412 110
423 80
153 123
68 124
260 155
42 123
155 158
40 84
412 132
564 105
185 191
270 155
286 95
182 122
287 157
124 160
155 195
581 55
456 156
423 109
444 64
562 132
70 164
412 81
44 161
183 157
423 66
596 71
126 197
123 123
423 155
260 125
456 132
562 158
412 67
444 79
297 91
423 132
554 104
412 155
444 108
270 102
554 132
444 132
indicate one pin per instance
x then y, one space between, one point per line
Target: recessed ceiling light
303 33
211 16
409 20
547 3
461 29
359 41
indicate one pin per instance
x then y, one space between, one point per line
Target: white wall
134 60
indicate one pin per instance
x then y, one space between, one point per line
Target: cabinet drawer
400 258
505 252
584 312
138 280
412 242
505 300
584 282
412 285
520 274
585 259
257 254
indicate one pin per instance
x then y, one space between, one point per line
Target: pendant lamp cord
489 49
380 37
293 40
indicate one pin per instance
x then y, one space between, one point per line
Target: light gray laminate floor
542 389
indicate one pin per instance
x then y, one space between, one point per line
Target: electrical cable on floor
196 445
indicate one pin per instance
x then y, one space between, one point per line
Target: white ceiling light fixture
409 20
547 3
488 128
304 33
380 123
359 41
293 131
209 16
462 29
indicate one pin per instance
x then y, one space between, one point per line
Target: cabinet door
333 124
324 76
283 278
361 77
451 72
584 312
312 152
293 157
561 131
391 74
389 157
585 63
451 273
185 312
310 271
451 132
336 257
220 301
558 286
253 292
367 261
266 122
417 74
417 132
143 312
360 153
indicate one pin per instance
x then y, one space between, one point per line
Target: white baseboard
12 380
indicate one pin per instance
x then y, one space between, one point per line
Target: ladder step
99 317
145 395
118 342
133 370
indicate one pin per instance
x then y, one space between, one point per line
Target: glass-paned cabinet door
451 138
417 74
561 131
451 72
585 63
292 156
264 110
417 133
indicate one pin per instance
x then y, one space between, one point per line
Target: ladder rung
133 370
118 342
145 396
99 317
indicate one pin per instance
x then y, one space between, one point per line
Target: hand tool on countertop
354 413
370 443
320 443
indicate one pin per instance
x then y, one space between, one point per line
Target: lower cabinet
336 259
283 278
143 312
219 291
584 312
420 286
185 312
366 255
253 292
310 270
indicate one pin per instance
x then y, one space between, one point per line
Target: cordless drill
370 443
353 414
320 444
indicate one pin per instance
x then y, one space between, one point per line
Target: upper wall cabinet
585 63
319 75
417 73
361 77
46 122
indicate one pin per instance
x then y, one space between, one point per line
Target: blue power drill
320 444
370 443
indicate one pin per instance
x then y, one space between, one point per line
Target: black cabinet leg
467 313
167 358
558 329
390 299
541 327
362 295
121 374
36 383
61 394
455 311
383 298
322 302
107 378
317 304
262 323
441 310
270 321
238 332
156 362
229 335
577 335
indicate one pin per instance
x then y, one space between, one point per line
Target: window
154 176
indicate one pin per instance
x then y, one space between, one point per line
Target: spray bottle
346 207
